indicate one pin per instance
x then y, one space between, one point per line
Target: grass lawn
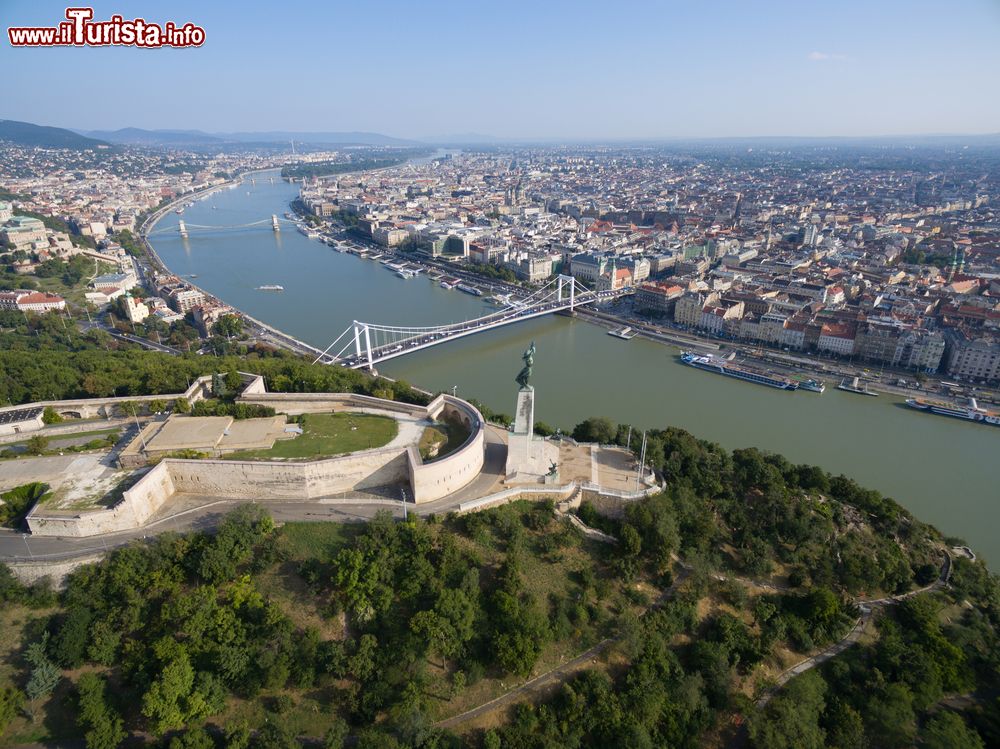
441 439
301 540
325 435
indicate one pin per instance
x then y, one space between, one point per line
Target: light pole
402 492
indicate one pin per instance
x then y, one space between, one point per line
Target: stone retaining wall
290 481
29 572
137 505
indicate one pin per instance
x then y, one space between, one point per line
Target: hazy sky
544 68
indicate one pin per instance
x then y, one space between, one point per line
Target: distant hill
135 136
464 139
27 134
139 137
344 138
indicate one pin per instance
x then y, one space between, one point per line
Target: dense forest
373 633
42 358
386 634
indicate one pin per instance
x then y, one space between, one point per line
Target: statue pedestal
524 414
529 458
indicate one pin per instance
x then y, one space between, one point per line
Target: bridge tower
274 222
361 330
571 283
181 229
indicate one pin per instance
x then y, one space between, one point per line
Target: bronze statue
525 374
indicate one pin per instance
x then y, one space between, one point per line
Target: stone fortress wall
92 408
287 481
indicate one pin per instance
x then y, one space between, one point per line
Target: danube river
939 468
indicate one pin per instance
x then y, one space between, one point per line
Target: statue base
529 458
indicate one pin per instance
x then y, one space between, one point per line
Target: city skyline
559 72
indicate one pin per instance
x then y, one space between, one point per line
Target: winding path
867 607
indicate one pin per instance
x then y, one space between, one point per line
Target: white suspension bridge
183 228
364 344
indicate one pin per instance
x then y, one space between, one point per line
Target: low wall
28 572
89 408
303 403
137 505
233 479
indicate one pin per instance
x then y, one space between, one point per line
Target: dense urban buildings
804 250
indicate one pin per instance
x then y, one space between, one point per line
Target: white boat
271 287
971 412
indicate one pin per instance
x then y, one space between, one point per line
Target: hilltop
43 136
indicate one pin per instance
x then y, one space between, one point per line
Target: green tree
595 429
276 735
791 720
192 738
229 326
890 718
44 674
233 380
70 642
947 730
102 725
36 445
11 701
51 416
336 735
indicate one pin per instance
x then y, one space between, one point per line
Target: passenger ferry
721 366
813 386
271 287
971 412
626 333
468 289
449 282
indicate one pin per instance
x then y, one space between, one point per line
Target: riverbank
583 372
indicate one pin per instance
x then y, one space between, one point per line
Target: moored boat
715 364
813 386
970 412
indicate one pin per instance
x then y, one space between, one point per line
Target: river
936 467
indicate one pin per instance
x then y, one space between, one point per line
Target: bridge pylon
571 282
274 222
363 331
181 228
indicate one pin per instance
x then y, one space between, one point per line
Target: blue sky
517 69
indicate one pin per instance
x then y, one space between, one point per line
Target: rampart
290 481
